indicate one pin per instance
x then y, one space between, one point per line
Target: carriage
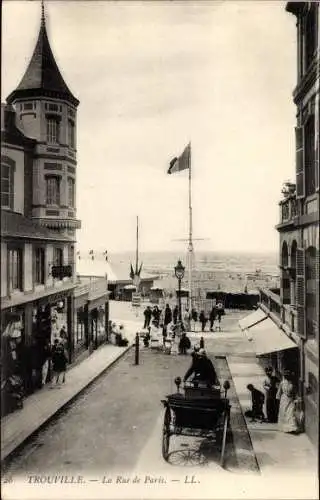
201 411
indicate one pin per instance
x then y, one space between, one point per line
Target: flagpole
137 247
190 245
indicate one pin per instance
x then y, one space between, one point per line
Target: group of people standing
189 318
42 361
279 399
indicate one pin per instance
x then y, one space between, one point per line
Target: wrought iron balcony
288 205
288 210
284 313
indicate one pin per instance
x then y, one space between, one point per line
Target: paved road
116 424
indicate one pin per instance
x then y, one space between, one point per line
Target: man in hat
202 368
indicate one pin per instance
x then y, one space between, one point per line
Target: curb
7 458
236 439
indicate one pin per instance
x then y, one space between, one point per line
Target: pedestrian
202 368
175 314
286 395
184 344
270 385
147 317
156 313
257 398
63 335
212 317
203 320
220 313
46 355
194 317
167 315
186 321
201 343
59 361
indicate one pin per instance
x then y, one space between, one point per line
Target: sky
152 76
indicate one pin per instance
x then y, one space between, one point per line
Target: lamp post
179 272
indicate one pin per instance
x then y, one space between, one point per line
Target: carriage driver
203 369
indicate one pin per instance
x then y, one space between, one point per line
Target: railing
94 287
286 314
97 288
288 209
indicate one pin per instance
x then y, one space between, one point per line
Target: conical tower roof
42 77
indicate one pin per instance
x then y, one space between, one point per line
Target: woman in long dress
286 395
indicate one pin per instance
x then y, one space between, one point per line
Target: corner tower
47 111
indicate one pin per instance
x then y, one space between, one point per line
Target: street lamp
179 272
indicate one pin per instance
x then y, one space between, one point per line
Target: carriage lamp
179 272
177 381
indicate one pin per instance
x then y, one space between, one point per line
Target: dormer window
53 129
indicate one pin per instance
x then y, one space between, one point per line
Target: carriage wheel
224 437
166 434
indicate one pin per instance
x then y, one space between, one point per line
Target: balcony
288 206
283 314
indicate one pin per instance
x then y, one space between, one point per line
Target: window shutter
300 162
317 168
301 292
11 194
318 287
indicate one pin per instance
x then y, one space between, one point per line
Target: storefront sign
136 299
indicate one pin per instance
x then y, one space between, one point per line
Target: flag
131 272
139 272
182 162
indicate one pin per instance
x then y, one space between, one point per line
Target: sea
225 271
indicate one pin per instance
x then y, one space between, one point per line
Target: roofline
16 236
295 8
26 93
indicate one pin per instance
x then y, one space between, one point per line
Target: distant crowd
188 321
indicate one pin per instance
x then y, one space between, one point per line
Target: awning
267 338
252 319
129 287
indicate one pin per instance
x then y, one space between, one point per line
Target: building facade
299 235
38 212
285 327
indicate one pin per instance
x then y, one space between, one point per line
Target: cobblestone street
111 424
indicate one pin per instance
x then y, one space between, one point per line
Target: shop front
98 318
81 329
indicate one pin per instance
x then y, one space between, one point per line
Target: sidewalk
41 406
276 452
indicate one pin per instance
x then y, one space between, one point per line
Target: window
310 163
71 134
70 192
80 329
15 269
311 292
7 179
310 35
53 130
57 256
28 105
39 259
52 190
70 255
